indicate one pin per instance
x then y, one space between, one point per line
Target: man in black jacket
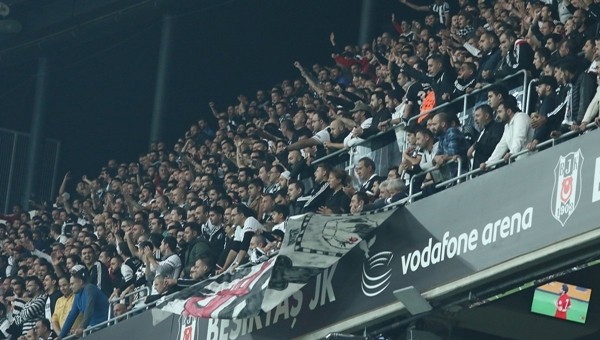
96 270
369 180
491 55
319 193
490 134
439 78
196 246
295 191
299 169
544 125
517 55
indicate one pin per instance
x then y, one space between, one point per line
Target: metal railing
464 98
528 100
116 319
126 301
412 195
513 157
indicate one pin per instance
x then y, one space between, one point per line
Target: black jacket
489 61
98 275
520 57
486 142
316 197
441 83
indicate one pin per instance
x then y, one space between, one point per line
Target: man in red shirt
563 303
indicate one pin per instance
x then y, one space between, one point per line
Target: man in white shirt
319 126
361 113
517 132
420 159
246 227
169 266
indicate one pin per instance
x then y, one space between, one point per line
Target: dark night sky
100 94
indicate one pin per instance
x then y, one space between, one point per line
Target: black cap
548 80
570 64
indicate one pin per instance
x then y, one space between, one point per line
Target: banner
315 242
312 243
234 295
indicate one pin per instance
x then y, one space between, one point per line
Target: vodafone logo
377 273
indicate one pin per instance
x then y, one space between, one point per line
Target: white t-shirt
250 225
350 140
280 226
322 136
171 266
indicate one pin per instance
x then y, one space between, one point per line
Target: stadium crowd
221 195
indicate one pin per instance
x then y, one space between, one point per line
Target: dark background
100 93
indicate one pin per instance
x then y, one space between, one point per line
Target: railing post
11 173
465 106
410 188
459 172
528 97
55 170
525 91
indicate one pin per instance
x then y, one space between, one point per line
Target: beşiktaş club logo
567 186
187 328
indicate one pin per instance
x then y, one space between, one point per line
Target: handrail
395 127
412 119
467 95
550 141
133 292
114 320
467 175
121 298
425 172
528 96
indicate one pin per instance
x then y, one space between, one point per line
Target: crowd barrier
389 154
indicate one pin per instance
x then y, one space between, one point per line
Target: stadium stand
425 107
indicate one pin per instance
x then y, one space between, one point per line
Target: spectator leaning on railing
517 132
63 306
452 144
542 121
490 133
89 301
